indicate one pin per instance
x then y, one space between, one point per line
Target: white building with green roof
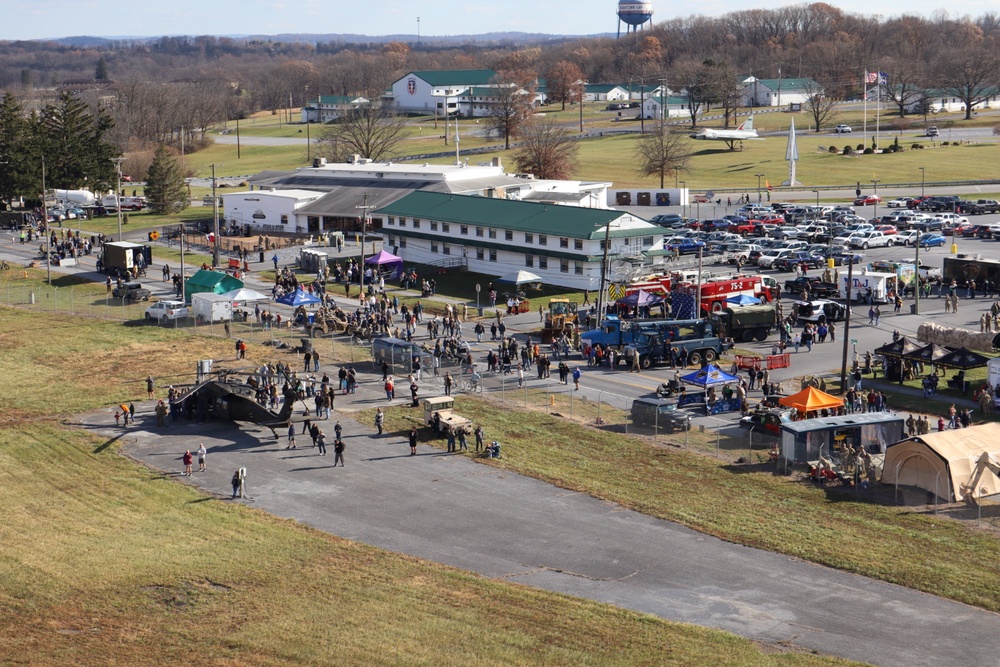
325 108
427 92
564 245
778 92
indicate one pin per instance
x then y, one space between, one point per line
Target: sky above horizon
47 19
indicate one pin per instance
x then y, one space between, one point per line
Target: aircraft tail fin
747 124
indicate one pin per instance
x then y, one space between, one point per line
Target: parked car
951 218
906 237
131 291
842 129
888 230
977 232
820 311
685 246
813 286
901 202
872 239
786 233
932 131
799 258
769 421
660 413
867 200
163 311
666 219
767 259
932 240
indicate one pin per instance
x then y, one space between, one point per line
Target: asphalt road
458 511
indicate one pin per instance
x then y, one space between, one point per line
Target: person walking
878 315
448 381
390 391
379 420
321 443
291 437
338 431
480 438
338 452
150 385
237 483
576 378
187 459
202 452
413 441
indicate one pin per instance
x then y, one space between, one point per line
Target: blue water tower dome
634 14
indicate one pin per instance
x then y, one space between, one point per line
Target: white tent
245 295
521 277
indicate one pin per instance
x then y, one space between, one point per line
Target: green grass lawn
104 562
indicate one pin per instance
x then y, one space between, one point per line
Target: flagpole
878 104
864 125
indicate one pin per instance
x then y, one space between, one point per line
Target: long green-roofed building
564 245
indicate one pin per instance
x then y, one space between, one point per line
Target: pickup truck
815 288
980 206
131 291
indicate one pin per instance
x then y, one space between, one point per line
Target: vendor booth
386 264
807 439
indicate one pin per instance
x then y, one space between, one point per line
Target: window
402 241
402 222
479 232
434 246
578 268
493 234
446 248
493 255
603 244
543 262
543 239
564 265
508 235
284 219
529 260
480 253
529 238
647 240
392 221
445 227
463 230
577 244
416 223
563 242
434 226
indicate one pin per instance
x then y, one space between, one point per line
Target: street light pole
48 232
875 192
215 219
604 273
759 176
816 192
683 199
118 193
921 181
365 209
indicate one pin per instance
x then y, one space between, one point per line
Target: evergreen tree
165 189
101 73
72 139
20 166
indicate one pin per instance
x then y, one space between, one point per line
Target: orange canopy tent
810 399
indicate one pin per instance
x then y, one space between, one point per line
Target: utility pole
759 176
237 137
48 232
215 219
365 212
847 325
604 273
118 193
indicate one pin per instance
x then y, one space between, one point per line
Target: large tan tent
941 462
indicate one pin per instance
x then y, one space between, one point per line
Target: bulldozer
972 492
561 319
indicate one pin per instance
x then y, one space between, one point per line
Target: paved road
463 513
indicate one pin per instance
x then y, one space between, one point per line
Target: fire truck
714 290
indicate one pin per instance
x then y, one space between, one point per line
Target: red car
126 178
867 200
772 220
887 230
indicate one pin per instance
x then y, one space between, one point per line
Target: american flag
871 77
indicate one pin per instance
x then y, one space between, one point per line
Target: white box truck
209 307
869 287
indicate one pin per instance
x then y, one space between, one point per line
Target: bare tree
724 88
905 82
662 153
970 73
510 108
562 81
547 150
372 131
693 78
818 105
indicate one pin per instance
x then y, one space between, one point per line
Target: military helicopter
232 395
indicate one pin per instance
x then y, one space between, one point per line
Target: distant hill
314 38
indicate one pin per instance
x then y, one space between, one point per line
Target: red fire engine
714 292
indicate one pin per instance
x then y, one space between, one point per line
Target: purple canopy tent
387 259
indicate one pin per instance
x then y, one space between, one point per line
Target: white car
906 237
867 240
902 202
167 310
767 259
847 239
952 219
786 233
842 129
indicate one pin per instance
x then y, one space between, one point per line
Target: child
118 417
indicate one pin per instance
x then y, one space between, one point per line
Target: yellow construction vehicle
561 319
971 491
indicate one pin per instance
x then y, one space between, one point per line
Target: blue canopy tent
298 298
709 376
640 298
743 300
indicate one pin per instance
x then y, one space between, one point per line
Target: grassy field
105 562
841 529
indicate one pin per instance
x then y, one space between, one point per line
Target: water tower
634 14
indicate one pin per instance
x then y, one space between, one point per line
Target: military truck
745 323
